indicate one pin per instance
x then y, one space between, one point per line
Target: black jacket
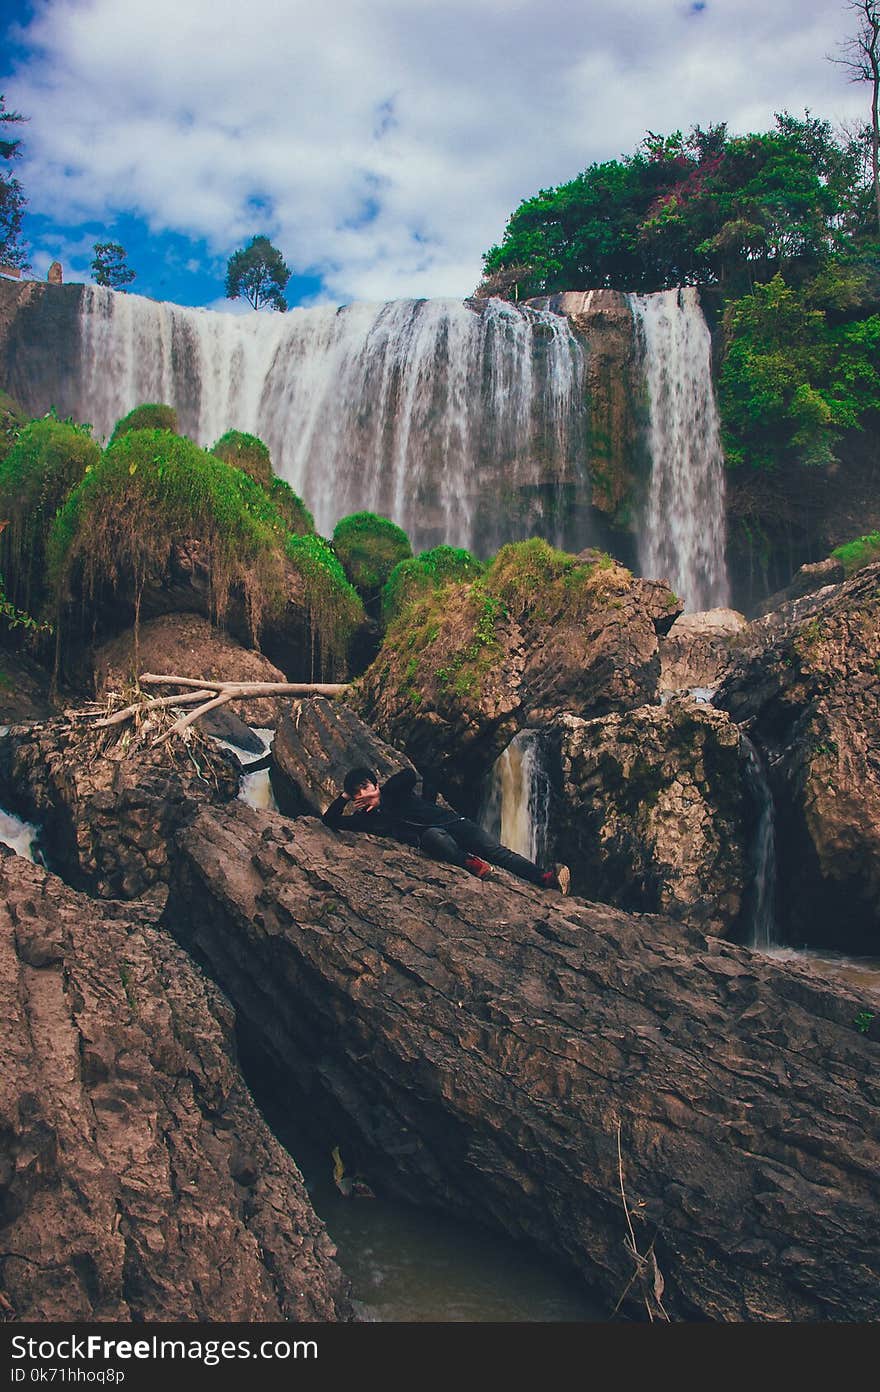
401 813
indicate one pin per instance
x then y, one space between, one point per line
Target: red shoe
475 866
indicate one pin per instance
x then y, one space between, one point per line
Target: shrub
152 416
335 609
152 488
411 579
855 555
46 461
369 548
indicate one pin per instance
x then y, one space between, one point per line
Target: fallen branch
245 689
186 720
646 1268
141 707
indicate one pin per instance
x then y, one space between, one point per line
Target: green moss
47 460
150 416
152 488
297 518
369 548
855 555
334 606
533 578
245 452
412 579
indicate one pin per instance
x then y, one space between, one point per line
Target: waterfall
463 423
761 905
516 805
683 536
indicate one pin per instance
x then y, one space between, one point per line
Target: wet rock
507 1054
107 806
124 1127
653 812
313 749
698 648
24 690
807 685
807 580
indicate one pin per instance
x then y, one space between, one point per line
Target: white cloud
436 120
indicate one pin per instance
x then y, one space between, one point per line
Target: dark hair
357 777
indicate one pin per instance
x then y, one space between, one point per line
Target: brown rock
187 645
484 1046
125 1125
698 649
105 806
313 749
807 684
55 275
652 811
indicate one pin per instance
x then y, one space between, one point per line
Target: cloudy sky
381 144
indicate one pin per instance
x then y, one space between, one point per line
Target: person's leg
474 839
437 842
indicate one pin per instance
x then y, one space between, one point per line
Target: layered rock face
108 808
315 746
652 811
513 1056
698 649
808 685
139 1181
458 677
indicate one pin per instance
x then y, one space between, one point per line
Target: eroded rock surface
483 1045
315 746
807 685
107 808
698 649
652 811
139 1181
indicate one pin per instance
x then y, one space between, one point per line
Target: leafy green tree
258 274
109 266
12 199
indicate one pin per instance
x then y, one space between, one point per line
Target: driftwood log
557 1069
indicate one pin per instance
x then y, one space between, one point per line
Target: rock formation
314 747
652 811
106 808
698 649
486 1047
139 1180
462 671
807 685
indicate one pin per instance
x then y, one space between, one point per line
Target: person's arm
335 812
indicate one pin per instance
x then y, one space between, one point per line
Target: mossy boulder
251 455
424 574
855 555
369 547
541 632
151 416
48 459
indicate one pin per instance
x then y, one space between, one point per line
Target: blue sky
380 145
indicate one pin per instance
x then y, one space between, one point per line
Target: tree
258 274
109 268
860 57
12 199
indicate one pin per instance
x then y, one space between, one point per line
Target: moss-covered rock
248 453
334 607
424 574
369 547
151 416
854 555
48 459
541 632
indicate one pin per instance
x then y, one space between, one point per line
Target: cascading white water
516 806
449 419
683 534
762 916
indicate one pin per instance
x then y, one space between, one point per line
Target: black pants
463 838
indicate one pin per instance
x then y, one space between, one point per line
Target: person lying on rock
395 810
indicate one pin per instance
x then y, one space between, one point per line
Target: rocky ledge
139 1181
521 1059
